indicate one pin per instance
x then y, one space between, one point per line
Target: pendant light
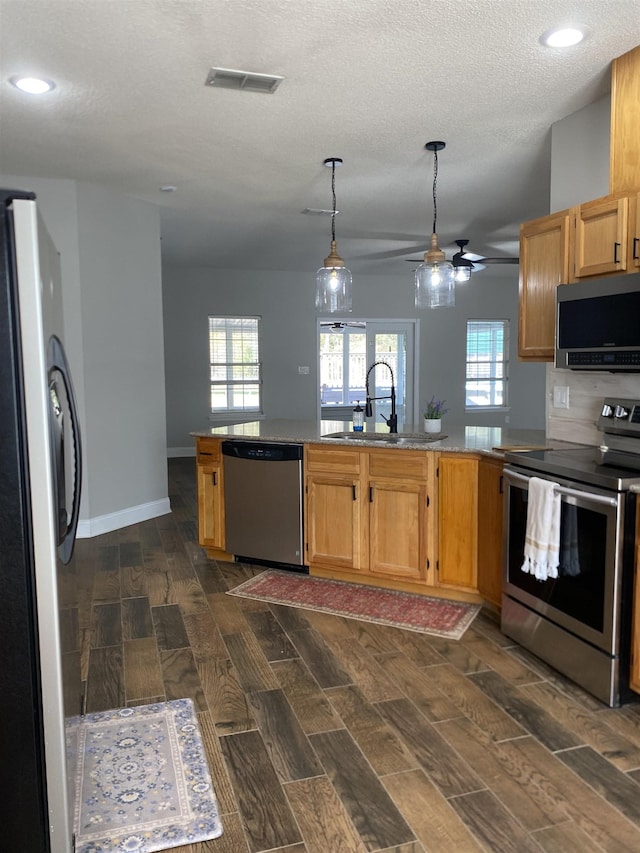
434 278
333 280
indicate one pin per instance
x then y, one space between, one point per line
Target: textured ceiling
367 80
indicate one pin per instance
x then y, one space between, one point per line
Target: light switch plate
561 397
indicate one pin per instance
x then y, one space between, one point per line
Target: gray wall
110 259
580 156
285 301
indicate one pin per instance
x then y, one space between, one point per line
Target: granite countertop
492 441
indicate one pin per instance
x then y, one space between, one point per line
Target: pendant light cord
333 191
435 178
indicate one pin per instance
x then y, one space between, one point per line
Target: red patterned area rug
440 617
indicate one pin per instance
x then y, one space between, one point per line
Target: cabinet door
334 522
210 506
544 264
490 527
625 122
397 529
457 521
601 237
634 233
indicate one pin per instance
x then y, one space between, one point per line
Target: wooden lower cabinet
210 482
367 513
333 529
490 530
458 520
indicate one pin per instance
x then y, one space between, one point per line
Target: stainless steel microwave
598 324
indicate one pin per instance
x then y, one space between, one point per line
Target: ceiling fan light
462 273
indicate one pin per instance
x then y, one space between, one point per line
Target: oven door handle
512 476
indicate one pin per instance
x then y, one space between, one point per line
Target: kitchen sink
388 437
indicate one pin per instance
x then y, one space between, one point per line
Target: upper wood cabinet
544 264
625 123
597 238
601 237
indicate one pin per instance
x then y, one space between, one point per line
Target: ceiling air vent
229 78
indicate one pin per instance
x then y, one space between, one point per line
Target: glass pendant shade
333 285
435 279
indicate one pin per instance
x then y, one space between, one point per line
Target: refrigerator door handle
57 361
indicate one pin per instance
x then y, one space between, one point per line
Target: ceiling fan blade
498 260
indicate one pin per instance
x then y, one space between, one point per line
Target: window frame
494 379
236 412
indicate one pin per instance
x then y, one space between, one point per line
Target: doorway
346 350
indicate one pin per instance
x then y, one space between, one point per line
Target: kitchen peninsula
408 511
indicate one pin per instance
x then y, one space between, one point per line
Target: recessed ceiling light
168 188
33 85
563 36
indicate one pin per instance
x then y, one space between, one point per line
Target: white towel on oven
542 538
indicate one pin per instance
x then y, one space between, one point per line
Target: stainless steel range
579 622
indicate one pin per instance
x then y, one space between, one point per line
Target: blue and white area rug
142 782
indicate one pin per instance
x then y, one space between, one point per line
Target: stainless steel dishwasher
263 502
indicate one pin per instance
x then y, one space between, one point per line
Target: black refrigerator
40 477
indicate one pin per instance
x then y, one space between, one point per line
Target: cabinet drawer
398 464
340 460
208 450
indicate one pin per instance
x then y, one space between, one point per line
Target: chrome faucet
392 420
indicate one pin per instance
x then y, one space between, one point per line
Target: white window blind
487 363
235 366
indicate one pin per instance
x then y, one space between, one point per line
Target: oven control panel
620 415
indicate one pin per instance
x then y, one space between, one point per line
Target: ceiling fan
338 325
478 262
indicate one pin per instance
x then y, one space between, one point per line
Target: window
235 366
487 362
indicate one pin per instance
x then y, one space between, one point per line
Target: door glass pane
391 348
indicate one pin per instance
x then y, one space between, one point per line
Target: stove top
583 465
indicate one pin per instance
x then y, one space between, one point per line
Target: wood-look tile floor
330 735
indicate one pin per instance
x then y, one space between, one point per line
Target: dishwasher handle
265 451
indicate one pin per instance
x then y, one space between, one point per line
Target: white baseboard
87 528
173 452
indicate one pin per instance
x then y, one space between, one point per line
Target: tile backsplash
586 392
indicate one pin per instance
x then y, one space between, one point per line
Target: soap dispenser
358 418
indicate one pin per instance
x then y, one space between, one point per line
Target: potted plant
433 413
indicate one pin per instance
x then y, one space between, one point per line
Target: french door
348 348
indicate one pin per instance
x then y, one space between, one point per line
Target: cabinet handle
428 501
215 478
354 492
501 484
205 453
370 494
616 246
636 243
